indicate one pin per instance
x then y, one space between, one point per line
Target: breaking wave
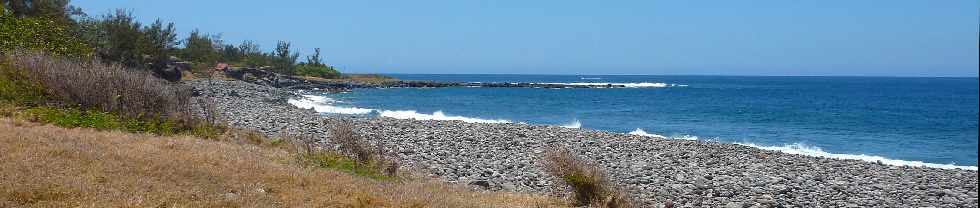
628 85
573 125
321 104
438 115
801 149
641 132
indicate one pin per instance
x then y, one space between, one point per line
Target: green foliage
56 10
315 60
230 54
200 48
39 34
285 59
330 160
76 118
159 43
15 87
251 54
327 72
70 117
119 37
207 131
314 67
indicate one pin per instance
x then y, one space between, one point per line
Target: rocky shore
272 79
653 170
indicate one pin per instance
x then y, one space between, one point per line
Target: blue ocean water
902 121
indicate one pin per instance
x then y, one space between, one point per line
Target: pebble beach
505 157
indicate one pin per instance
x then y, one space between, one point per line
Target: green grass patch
330 160
76 118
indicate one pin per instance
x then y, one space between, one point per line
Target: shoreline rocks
686 173
272 79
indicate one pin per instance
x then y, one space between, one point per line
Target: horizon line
700 75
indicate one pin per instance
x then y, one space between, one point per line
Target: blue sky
762 37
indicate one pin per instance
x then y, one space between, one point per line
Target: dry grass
110 88
588 183
354 146
47 166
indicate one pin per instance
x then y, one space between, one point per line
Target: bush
284 59
119 38
109 88
588 183
40 34
353 155
326 72
16 89
200 48
76 118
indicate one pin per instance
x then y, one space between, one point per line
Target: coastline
695 173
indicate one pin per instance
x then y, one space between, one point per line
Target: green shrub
40 34
75 118
119 38
326 72
16 89
207 131
331 160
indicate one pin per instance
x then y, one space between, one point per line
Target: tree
199 48
252 55
314 60
230 54
285 60
159 43
118 37
58 10
314 66
41 34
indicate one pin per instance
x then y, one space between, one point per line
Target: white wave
438 115
590 78
686 137
801 149
574 125
641 132
629 85
321 104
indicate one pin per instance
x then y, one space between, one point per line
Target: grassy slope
43 165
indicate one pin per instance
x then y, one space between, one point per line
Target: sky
759 37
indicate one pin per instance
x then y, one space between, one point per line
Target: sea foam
641 132
628 85
573 125
801 149
438 115
321 104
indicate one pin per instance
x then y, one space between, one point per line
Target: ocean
899 121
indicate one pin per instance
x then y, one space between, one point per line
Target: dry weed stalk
111 88
588 183
355 147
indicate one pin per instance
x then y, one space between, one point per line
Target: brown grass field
47 166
